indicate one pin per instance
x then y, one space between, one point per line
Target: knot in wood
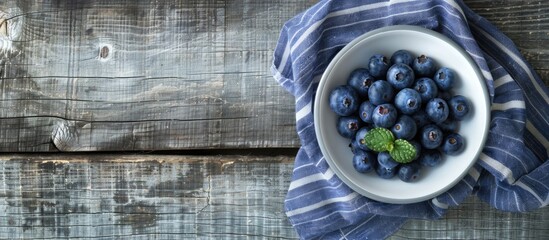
11 24
64 136
105 52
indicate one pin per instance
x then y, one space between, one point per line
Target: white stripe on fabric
452 197
311 178
537 134
475 174
334 212
502 80
367 20
537 181
517 201
508 119
504 170
315 190
357 227
525 68
508 105
322 204
439 204
305 128
320 161
457 7
494 199
304 93
286 53
277 75
343 234
517 60
486 74
315 25
304 111
512 154
302 166
471 187
531 191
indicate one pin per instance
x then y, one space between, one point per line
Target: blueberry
421 118
385 160
430 158
431 136
380 92
344 100
452 144
360 80
404 128
385 115
348 126
386 173
427 88
378 65
437 110
444 95
424 66
402 56
408 101
365 111
400 76
459 107
359 138
444 78
450 125
363 161
354 146
408 172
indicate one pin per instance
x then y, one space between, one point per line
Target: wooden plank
205 197
144 75
163 197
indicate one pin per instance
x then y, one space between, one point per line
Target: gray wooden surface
149 75
143 76
106 196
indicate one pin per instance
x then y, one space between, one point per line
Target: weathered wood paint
146 75
149 75
106 196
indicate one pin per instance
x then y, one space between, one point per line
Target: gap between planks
271 155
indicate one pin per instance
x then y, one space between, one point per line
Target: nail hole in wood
104 52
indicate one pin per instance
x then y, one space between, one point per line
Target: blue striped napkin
511 174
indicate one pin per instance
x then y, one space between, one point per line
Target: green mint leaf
379 139
403 151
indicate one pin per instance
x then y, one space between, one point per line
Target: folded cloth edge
288 83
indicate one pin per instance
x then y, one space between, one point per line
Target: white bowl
469 83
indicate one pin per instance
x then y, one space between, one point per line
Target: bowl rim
318 103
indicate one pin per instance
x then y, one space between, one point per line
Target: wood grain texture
145 75
143 197
192 197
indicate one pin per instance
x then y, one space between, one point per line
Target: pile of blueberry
411 97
